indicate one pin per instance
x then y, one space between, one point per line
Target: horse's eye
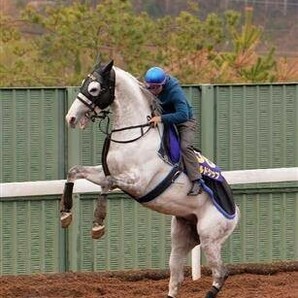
94 88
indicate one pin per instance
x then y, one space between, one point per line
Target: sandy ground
277 280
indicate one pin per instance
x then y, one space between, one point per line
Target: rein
92 96
104 114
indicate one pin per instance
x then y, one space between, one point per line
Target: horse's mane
153 100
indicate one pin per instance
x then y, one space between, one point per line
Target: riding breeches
187 132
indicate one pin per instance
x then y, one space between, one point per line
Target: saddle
214 183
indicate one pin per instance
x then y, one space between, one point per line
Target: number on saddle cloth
217 187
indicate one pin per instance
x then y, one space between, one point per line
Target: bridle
102 115
105 76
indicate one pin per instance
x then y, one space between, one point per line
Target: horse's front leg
130 182
100 213
94 174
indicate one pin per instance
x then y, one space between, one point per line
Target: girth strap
162 186
154 193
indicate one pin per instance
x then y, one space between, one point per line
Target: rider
176 110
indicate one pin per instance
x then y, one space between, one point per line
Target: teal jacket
175 106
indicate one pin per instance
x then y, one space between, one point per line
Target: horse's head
96 93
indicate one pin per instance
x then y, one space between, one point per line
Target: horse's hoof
97 231
65 219
212 293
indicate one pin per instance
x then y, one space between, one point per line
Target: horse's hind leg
212 251
184 238
213 234
94 174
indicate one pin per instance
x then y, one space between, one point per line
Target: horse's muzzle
72 122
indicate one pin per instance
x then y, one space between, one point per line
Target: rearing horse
131 163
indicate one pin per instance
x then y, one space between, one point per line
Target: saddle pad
214 183
169 149
221 196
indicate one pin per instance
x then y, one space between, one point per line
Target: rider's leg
187 133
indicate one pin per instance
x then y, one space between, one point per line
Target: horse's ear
97 64
107 68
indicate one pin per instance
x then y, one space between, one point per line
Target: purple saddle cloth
214 183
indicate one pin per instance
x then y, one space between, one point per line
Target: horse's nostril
71 121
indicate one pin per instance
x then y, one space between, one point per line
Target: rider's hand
155 120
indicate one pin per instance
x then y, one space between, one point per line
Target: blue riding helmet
155 75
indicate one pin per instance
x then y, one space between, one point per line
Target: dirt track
279 280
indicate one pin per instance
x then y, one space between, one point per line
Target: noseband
106 79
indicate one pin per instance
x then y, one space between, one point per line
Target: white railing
54 187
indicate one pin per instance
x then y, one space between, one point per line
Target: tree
69 40
18 56
243 63
75 37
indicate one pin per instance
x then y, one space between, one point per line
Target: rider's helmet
155 76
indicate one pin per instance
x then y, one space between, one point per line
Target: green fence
242 127
32 134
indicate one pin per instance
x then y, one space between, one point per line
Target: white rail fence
55 187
